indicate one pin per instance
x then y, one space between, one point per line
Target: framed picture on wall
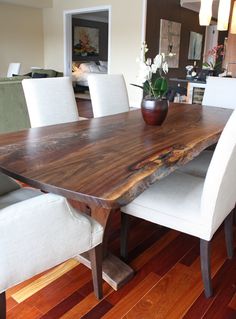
89 40
86 41
170 41
195 46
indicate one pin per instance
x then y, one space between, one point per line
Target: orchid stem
151 89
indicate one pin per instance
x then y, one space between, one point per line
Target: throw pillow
103 63
94 68
27 74
36 75
102 68
85 67
50 73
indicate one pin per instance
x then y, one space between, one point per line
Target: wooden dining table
105 163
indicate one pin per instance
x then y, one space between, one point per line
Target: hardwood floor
167 283
84 107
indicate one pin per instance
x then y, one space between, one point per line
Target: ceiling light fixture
205 12
223 15
233 21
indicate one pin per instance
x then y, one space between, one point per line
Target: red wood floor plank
98 311
63 306
57 291
169 256
224 288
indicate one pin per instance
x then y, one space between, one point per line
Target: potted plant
154 105
215 58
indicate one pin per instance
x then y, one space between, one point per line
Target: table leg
115 272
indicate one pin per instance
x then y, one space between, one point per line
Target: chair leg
234 213
3 305
205 267
228 226
125 218
96 257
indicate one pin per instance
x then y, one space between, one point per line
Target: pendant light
233 21
223 15
205 12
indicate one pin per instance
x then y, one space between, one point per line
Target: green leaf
157 87
160 87
164 86
146 87
139 86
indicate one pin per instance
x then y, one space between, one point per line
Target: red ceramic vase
154 111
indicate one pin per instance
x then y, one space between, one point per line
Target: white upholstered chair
194 205
108 94
40 231
13 68
50 101
219 92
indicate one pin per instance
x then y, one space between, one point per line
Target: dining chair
108 94
219 92
40 231
50 101
13 68
194 205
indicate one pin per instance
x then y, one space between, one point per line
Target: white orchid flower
144 50
154 68
145 73
163 57
147 69
158 61
165 67
149 62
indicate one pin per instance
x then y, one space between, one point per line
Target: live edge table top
109 161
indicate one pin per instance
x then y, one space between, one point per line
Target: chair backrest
40 231
220 92
108 94
14 68
219 192
50 101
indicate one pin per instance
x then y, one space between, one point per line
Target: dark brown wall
171 10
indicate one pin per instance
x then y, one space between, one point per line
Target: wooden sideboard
195 92
195 89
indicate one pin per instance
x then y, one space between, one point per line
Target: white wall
30 3
126 30
21 37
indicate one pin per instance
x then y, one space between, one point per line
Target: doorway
88 23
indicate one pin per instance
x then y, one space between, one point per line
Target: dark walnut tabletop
105 163
109 161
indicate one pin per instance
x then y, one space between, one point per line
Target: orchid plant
215 57
154 84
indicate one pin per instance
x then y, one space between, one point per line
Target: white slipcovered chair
219 92
13 68
40 231
50 101
108 94
194 205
